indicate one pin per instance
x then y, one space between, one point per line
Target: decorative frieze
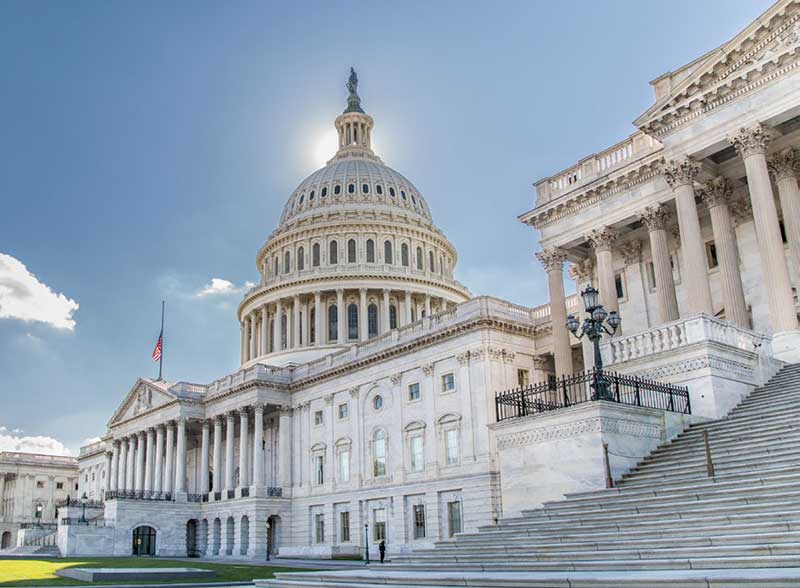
577 428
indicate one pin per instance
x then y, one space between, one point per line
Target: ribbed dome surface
355 180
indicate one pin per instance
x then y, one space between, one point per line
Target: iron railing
77 502
138 495
274 491
194 497
245 492
98 522
588 387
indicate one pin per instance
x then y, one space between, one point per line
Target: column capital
540 362
631 251
427 369
654 217
340 291
603 238
181 421
716 192
362 290
217 419
742 210
784 164
582 270
752 141
243 411
396 377
328 399
285 410
552 259
140 434
386 291
317 295
230 416
258 407
206 423
679 172
354 392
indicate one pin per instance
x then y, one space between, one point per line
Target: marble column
654 218
716 194
582 272
363 322
553 261
751 144
258 444
427 305
318 330
148 461
341 317
114 470
218 453
276 326
680 177
264 330
230 426
285 449
296 326
169 469
109 481
180 455
244 416
122 467
251 336
407 308
204 457
385 326
603 239
140 455
243 326
2 497
785 167
158 472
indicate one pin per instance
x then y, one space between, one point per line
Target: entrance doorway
191 539
144 541
5 542
273 528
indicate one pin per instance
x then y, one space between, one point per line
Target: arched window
387 252
312 326
430 260
370 251
323 193
333 322
391 191
337 189
275 263
351 189
311 196
365 188
271 341
301 262
379 189
352 321
441 264
420 258
351 251
392 316
372 320
315 255
284 331
333 253
379 453
404 255
287 262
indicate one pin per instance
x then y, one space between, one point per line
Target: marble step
699 473
731 430
761 416
746 456
689 449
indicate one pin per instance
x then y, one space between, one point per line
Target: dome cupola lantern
354 126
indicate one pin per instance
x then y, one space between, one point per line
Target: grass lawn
40 572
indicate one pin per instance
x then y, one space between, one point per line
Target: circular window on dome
379 189
377 402
311 196
365 188
337 189
391 192
403 194
323 193
351 189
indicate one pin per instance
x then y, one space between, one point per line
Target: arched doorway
144 541
191 539
273 531
244 535
5 542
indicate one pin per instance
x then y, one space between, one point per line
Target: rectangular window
379 524
651 275
59 485
344 465
454 517
318 418
711 255
619 285
419 521
319 467
417 454
448 382
319 525
344 527
523 377
451 446
40 484
413 391
344 410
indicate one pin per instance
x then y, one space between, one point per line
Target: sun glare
326 146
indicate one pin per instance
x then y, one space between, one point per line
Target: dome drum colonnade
356 255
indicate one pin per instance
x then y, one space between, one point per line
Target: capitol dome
356 254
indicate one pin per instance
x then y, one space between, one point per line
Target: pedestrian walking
382 549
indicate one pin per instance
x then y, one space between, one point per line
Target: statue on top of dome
353 100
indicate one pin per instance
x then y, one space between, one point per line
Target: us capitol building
364 408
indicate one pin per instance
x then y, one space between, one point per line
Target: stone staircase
667 523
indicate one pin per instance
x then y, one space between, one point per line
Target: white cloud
24 297
221 287
11 440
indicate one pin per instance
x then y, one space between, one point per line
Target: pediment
143 397
770 42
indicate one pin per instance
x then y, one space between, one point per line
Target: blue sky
149 147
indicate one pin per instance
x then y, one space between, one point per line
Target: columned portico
784 167
654 218
553 261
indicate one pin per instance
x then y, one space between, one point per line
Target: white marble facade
364 404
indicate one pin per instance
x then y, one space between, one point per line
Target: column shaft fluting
230 425
180 456
276 326
296 323
204 458
385 326
258 445
318 334
149 458
243 441
122 467
407 308
654 218
264 330
341 317
169 468
785 166
553 261
218 454
285 448
158 472
141 450
362 315
114 474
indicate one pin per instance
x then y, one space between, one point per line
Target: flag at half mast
159 349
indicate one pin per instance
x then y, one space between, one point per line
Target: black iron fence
587 387
138 495
77 502
98 522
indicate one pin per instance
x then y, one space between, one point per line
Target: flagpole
161 358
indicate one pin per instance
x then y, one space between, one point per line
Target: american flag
157 350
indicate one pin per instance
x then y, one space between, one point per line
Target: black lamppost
84 500
366 543
593 328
